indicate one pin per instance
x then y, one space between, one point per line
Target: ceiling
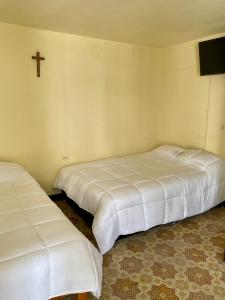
157 23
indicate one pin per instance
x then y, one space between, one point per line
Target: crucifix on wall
38 59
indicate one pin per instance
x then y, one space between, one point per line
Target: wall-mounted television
212 56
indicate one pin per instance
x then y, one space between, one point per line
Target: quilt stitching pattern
160 187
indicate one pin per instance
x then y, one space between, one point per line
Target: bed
137 192
42 254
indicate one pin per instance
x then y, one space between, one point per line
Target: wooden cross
38 59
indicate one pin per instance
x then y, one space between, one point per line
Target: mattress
42 255
136 192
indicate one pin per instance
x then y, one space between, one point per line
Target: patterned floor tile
169 262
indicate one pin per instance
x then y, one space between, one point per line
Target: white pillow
188 155
198 157
169 150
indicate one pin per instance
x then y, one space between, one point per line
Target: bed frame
86 216
83 296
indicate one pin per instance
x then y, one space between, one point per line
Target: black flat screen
212 56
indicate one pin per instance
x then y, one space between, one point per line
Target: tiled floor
182 261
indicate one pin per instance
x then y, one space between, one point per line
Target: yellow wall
94 99
192 110
97 99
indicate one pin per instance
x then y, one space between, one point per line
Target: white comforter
134 193
42 255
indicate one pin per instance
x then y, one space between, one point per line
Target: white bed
42 255
136 192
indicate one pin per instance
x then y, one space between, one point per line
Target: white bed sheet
136 192
42 255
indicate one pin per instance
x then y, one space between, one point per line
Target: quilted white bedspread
136 192
42 255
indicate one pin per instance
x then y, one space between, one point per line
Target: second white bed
136 192
42 254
